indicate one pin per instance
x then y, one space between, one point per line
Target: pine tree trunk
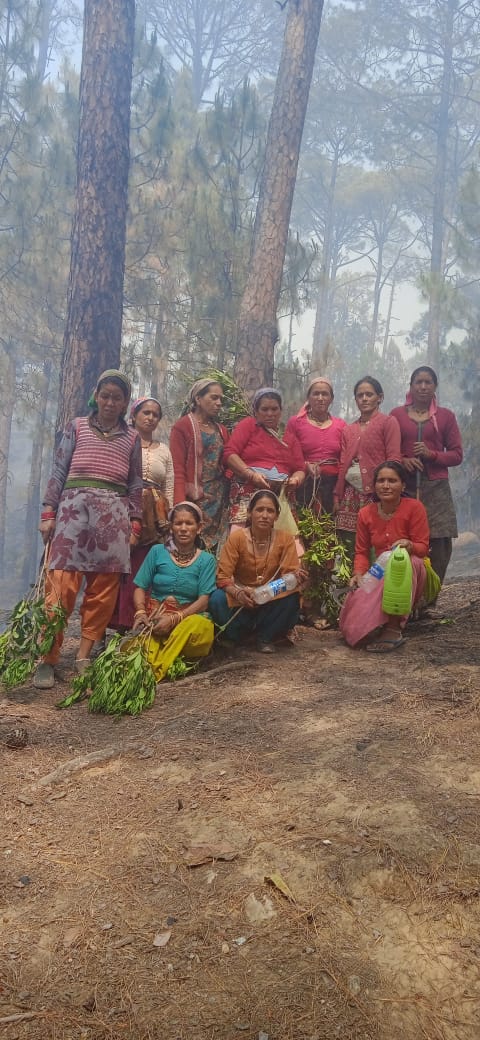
8 397
257 323
94 319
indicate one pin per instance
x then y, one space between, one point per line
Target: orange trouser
97 606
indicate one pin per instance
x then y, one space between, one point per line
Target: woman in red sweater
260 456
197 441
431 443
390 521
371 439
320 436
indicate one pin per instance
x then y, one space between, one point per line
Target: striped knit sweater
84 454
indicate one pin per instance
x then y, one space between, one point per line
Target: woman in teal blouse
172 589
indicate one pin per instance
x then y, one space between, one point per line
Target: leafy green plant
327 562
235 404
29 635
181 667
120 679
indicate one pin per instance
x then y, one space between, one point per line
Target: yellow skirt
192 637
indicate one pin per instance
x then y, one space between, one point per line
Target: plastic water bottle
375 573
397 586
273 588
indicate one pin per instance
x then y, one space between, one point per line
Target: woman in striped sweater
92 515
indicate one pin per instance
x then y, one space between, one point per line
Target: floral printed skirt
92 533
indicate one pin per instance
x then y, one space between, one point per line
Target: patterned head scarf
198 386
266 391
138 404
115 376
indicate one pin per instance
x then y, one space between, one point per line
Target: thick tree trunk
257 323
8 397
439 192
94 320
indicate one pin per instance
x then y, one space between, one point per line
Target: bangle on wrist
141 610
48 516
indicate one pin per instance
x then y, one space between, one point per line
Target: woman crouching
382 525
251 557
179 577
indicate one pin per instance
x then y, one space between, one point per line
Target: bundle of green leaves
327 562
120 679
29 635
235 404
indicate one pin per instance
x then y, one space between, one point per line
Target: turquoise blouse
163 577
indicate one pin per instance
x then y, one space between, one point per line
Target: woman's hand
296 479
302 578
257 479
47 529
313 469
404 543
140 620
355 581
412 464
243 595
165 624
336 506
420 448
134 539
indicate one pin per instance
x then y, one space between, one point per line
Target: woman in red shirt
367 442
260 456
390 521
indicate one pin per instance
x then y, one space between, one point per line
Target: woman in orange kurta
251 557
391 521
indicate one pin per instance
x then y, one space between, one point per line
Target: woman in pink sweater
367 442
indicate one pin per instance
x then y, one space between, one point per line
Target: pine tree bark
94 319
6 415
257 323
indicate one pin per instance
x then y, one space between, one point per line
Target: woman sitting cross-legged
179 577
392 520
251 557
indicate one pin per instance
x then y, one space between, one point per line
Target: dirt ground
352 779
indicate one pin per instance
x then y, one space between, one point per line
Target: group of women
141 523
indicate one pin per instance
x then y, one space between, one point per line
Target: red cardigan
378 442
408 521
187 454
256 447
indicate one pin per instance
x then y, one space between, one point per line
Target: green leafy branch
326 560
120 680
30 634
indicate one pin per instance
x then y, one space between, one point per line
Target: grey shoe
81 664
266 648
44 677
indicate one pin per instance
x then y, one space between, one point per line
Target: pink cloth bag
362 611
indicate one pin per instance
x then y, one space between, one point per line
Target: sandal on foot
384 646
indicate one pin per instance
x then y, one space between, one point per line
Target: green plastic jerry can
397 583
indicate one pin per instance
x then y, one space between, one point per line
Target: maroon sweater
445 441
